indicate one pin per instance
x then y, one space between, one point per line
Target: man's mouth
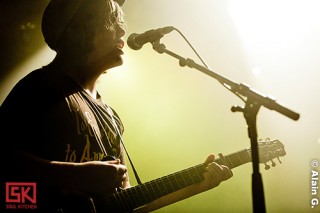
119 44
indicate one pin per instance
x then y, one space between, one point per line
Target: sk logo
21 192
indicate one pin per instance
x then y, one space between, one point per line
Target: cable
228 88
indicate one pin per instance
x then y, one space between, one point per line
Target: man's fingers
218 173
116 161
210 159
227 173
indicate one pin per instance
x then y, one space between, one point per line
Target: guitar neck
142 194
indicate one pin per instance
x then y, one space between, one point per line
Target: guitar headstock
269 150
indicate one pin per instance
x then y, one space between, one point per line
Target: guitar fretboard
131 198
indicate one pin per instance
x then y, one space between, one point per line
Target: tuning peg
273 164
266 166
279 160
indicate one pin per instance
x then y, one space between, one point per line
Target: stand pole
250 113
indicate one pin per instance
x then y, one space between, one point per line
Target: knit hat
57 16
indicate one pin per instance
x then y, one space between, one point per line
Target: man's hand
102 176
214 174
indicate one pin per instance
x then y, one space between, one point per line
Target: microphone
136 41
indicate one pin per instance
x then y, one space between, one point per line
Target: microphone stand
252 105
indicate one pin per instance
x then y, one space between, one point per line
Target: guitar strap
110 112
123 144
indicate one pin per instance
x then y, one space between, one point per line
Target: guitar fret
239 160
181 179
121 200
171 179
147 192
199 172
128 197
196 174
236 159
174 183
248 154
166 184
187 178
150 190
230 162
140 194
134 197
177 182
162 187
143 193
157 189
242 157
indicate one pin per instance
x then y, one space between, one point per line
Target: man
61 132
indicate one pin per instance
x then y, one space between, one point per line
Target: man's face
107 45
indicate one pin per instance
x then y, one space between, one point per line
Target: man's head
69 26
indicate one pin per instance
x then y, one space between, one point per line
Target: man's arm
108 175
214 175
